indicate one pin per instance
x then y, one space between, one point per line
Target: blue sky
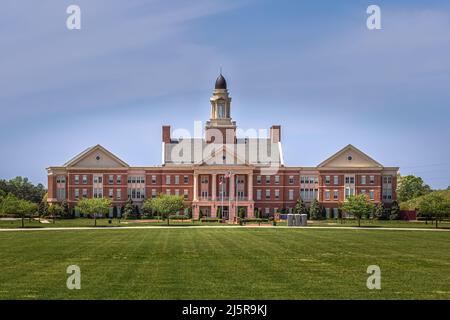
311 66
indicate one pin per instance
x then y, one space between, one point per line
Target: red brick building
219 170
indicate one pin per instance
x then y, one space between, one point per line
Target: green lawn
225 263
84 222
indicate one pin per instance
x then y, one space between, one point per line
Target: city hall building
216 169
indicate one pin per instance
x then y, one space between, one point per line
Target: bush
255 220
178 217
210 220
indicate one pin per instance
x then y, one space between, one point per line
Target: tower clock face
221 110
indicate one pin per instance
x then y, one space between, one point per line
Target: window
153 179
267 211
336 194
372 195
363 179
118 194
111 193
258 179
387 179
185 193
177 192
177 179
167 179
372 179
98 193
61 193
327 179
277 179
77 179
327 194
84 179
186 179
267 179
77 193
363 191
302 193
387 193
168 191
291 194
352 180
154 193
258 194
110 179
302 179
61 179
119 179
316 180
277 194
349 192
84 193
335 179
267 193
291 179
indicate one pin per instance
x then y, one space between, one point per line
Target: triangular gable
350 156
217 157
96 157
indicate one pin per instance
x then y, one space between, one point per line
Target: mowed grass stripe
225 263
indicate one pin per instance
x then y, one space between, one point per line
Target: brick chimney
275 133
166 134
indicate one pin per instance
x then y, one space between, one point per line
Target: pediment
350 156
96 157
223 155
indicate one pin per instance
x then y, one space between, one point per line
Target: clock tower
220 128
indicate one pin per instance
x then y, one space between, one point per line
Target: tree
166 204
10 204
395 211
43 207
93 207
378 212
358 206
242 211
55 210
300 207
23 189
435 205
128 209
65 212
147 207
219 213
410 187
315 211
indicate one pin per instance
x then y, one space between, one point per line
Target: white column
231 210
214 183
250 186
195 187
